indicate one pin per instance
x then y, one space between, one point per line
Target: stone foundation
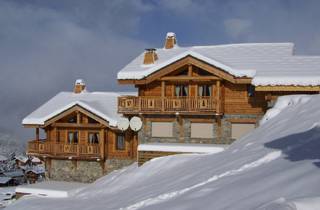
182 129
81 170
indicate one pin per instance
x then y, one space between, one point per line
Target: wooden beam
218 99
102 144
74 125
287 88
189 60
190 78
37 134
190 70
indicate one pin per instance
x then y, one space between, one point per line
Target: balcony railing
166 104
43 147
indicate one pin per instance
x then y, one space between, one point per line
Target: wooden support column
218 97
219 128
102 144
163 89
37 134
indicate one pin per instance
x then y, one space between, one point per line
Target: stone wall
182 129
81 170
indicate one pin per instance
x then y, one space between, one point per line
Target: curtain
185 90
177 90
200 90
210 90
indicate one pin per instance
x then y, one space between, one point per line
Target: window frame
96 134
120 137
75 135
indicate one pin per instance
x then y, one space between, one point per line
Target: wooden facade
80 135
189 94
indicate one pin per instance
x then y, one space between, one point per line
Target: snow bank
192 148
283 103
269 169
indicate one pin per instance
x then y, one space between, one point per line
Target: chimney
171 40
79 86
150 56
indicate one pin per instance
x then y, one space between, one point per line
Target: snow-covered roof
179 147
4 179
3 158
16 173
53 189
261 61
102 104
21 158
38 169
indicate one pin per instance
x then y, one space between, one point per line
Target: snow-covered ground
276 167
51 189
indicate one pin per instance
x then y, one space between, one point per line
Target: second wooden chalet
211 94
80 140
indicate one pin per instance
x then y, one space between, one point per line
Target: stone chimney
150 56
79 86
171 40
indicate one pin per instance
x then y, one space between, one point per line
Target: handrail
167 104
57 148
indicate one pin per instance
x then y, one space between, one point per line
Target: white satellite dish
123 124
135 123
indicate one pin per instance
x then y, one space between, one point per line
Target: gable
73 112
179 67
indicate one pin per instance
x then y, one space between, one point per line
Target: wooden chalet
81 141
210 94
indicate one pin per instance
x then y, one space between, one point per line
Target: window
93 138
201 130
250 89
72 119
73 137
91 121
239 130
162 129
120 143
181 90
204 90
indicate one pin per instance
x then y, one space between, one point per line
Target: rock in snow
275 167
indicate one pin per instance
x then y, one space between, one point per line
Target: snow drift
277 166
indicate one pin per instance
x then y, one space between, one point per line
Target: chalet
81 141
210 94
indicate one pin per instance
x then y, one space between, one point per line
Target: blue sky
46 45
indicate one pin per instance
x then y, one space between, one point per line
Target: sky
46 45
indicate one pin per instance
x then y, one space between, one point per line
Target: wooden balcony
61 150
136 104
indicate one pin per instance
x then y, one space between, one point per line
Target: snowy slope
276 167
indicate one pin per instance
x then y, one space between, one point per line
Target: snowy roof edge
41 121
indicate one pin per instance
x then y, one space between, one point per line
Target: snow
266 63
171 34
35 160
52 189
4 179
172 147
80 82
3 158
275 167
103 104
21 158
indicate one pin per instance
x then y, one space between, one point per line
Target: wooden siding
56 144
